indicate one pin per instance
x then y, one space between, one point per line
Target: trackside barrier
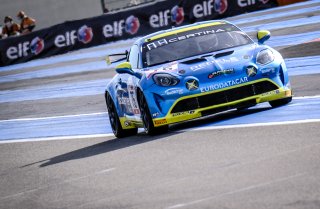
286 2
159 15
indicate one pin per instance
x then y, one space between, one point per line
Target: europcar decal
224 84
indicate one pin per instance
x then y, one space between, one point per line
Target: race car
193 71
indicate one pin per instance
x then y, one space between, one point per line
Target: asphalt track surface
57 150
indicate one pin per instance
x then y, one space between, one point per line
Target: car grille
222 97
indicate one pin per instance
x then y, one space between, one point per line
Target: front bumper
198 105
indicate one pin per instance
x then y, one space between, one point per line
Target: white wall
51 12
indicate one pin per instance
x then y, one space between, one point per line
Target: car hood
227 62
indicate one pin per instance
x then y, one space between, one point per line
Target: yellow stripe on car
172 32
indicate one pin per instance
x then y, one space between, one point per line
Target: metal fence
113 5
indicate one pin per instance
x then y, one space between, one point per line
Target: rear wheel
280 102
117 129
147 119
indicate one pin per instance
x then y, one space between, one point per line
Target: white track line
252 125
244 189
54 117
56 138
106 113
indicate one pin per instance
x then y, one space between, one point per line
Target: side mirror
124 67
263 35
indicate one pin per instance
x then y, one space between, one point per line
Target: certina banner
190 34
113 26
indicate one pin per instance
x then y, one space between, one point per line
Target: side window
134 56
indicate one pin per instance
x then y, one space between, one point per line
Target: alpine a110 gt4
192 71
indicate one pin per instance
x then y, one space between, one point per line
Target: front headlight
163 79
265 57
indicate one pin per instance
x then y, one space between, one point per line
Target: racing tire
280 102
147 119
117 129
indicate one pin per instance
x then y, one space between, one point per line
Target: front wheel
147 119
280 102
117 129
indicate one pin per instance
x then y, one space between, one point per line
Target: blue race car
193 71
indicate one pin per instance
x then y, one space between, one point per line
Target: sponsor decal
251 71
246 3
37 45
166 41
183 113
177 15
83 34
163 18
209 63
220 72
192 84
224 84
124 100
228 60
160 122
207 7
246 57
174 91
271 93
154 115
132 25
267 71
127 123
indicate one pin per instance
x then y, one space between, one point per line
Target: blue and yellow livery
193 71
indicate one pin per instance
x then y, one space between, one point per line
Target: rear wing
113 58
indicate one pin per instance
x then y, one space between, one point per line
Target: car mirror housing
263 35
125 68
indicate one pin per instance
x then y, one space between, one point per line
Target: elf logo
220 6
177 15
131 25
163 18
84 35
36 46
207 8
245 3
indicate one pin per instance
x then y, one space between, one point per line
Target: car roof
164 33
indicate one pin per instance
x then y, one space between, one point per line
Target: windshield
192 43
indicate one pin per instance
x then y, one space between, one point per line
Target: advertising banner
159 15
